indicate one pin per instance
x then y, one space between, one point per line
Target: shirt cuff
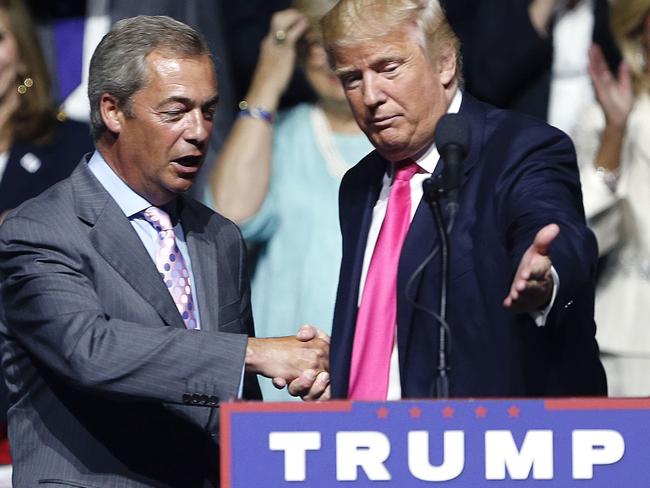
540 316
240 390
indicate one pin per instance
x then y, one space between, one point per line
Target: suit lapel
358 214
115 239
421 239
204 265
359 193
423 236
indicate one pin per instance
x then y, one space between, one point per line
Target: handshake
299 362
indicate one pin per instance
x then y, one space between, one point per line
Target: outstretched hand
532 286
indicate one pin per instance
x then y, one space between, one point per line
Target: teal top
297 271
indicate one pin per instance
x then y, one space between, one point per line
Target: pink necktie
171 265
375 330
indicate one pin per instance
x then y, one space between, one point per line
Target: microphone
452 141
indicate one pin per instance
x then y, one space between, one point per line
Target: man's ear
447 64
111 113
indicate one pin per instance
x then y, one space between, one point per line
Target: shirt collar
129 201
429 159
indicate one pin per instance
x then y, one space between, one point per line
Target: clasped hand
300 361
312 384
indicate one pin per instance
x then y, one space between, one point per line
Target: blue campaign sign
550 443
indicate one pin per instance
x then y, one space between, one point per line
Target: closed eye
208 112
389 68
173 115
350 81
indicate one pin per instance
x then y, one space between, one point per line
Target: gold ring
280 36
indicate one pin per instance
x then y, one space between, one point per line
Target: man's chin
395 152
184 186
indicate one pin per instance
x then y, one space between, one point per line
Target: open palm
614 93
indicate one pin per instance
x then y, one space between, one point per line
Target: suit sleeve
540 185
52 309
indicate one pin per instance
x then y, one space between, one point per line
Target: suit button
187 398
214 400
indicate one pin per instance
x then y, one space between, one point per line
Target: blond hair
314 10
354 21
627 19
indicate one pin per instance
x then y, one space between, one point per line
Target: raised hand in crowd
249 144
616 97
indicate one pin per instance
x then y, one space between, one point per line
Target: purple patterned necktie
171 265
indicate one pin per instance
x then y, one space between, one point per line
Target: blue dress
297 271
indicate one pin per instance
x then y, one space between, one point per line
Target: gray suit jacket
107 387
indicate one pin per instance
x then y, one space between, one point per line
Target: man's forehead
183 70
173 59
170 80
372 52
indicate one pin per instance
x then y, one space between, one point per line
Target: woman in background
279 179
613 146
37 149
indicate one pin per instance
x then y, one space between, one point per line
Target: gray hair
118 66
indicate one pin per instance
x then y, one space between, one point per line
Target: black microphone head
452 129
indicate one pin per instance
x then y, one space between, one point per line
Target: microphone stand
432 192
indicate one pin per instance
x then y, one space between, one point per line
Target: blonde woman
613 146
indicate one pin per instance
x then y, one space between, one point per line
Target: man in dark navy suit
522 261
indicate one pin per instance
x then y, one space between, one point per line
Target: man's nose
198 127
372 92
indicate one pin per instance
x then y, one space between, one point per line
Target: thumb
306 333
544 238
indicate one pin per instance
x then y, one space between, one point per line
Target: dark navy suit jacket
55 161
520 175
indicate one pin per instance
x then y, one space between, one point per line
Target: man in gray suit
114 374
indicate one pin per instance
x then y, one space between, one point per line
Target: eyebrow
373 64
189 101
344 71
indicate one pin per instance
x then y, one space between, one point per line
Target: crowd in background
284 135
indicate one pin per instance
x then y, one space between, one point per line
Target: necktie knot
405 172
158 218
